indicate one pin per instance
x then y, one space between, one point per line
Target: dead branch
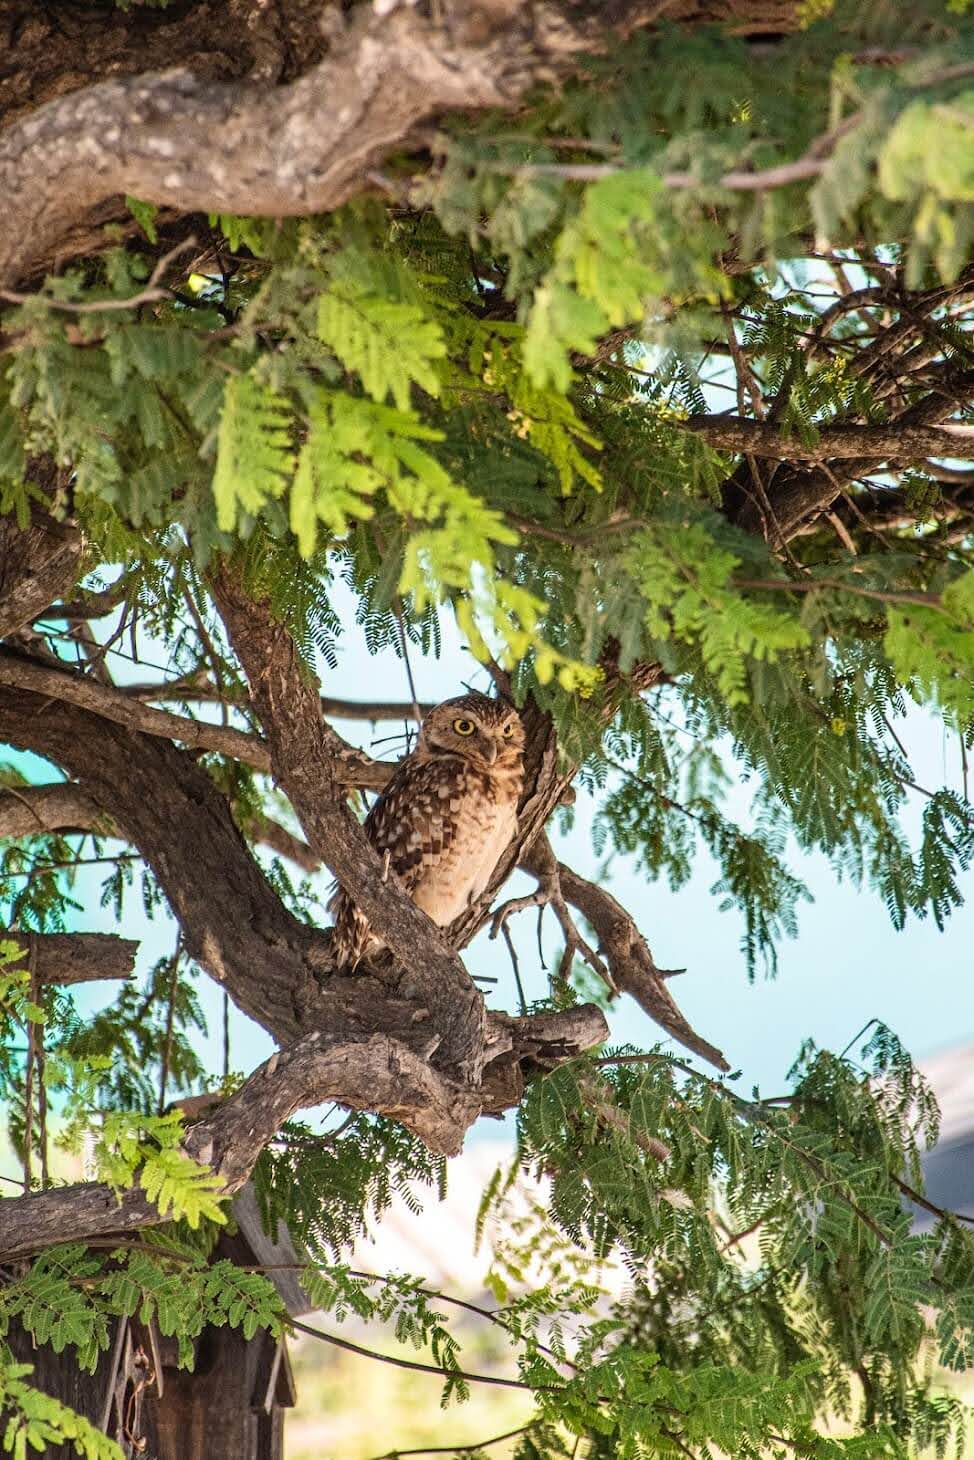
67 958
627 954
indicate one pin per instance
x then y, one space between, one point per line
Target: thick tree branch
37 565
66 958
305 753
112 704
367 1072
183 140
34 810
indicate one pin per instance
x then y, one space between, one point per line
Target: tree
437 301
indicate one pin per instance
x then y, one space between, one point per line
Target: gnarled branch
627 954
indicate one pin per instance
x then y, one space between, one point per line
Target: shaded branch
37 564
368 1072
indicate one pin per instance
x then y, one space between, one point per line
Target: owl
445 817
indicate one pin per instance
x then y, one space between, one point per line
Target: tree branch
191 689
112 704
37 564
355 768
67 958
365 1073
627 954
34 810
889 441
176 139
305 753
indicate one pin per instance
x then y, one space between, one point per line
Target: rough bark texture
30 810
65 958
185 139
891 441
36 567
368 1072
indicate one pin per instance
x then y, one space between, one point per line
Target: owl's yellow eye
463 727
508 730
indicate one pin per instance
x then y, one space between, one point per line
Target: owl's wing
415 819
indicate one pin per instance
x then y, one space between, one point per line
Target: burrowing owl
445 817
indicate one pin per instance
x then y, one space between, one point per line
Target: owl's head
487 732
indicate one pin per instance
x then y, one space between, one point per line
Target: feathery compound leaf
254 458
181 1188
389 345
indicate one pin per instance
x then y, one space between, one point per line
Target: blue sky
847 966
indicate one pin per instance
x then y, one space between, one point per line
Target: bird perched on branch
445 817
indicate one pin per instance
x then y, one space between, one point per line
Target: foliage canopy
660 390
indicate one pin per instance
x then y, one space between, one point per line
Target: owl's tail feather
351 937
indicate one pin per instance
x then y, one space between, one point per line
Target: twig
515 965
456 1449
29 1071
170 1017
149 295
416 1367
401 623
815 585
548 893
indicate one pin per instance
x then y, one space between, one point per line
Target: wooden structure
230 1406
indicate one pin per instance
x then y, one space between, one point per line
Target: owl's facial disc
479 729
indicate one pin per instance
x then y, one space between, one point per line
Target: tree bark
67 958
185 140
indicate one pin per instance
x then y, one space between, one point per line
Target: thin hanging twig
401 621
522 1001
40 1065
170 1017
29 1072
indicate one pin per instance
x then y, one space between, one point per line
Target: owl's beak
488 749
